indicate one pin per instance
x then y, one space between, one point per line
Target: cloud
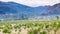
35 3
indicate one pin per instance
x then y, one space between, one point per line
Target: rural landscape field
30 27
29 16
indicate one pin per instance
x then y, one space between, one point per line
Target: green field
30 27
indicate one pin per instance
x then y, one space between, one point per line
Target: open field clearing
30 27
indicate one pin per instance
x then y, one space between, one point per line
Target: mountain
13 10
12 7
52 10
16 8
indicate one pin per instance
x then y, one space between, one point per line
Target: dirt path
24 31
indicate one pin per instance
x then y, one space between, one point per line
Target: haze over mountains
15 8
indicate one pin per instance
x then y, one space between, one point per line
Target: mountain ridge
15 8
12 7
52 10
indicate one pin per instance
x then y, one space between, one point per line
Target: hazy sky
35 3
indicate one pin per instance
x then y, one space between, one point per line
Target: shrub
43 32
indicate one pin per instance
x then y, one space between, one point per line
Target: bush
43 32
33 31
6 30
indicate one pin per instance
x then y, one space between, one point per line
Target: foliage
35 26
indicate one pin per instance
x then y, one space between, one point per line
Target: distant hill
15 8
52 10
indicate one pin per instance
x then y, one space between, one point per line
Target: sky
34 3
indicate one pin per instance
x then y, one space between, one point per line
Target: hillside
52 10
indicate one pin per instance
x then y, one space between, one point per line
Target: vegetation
32 27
